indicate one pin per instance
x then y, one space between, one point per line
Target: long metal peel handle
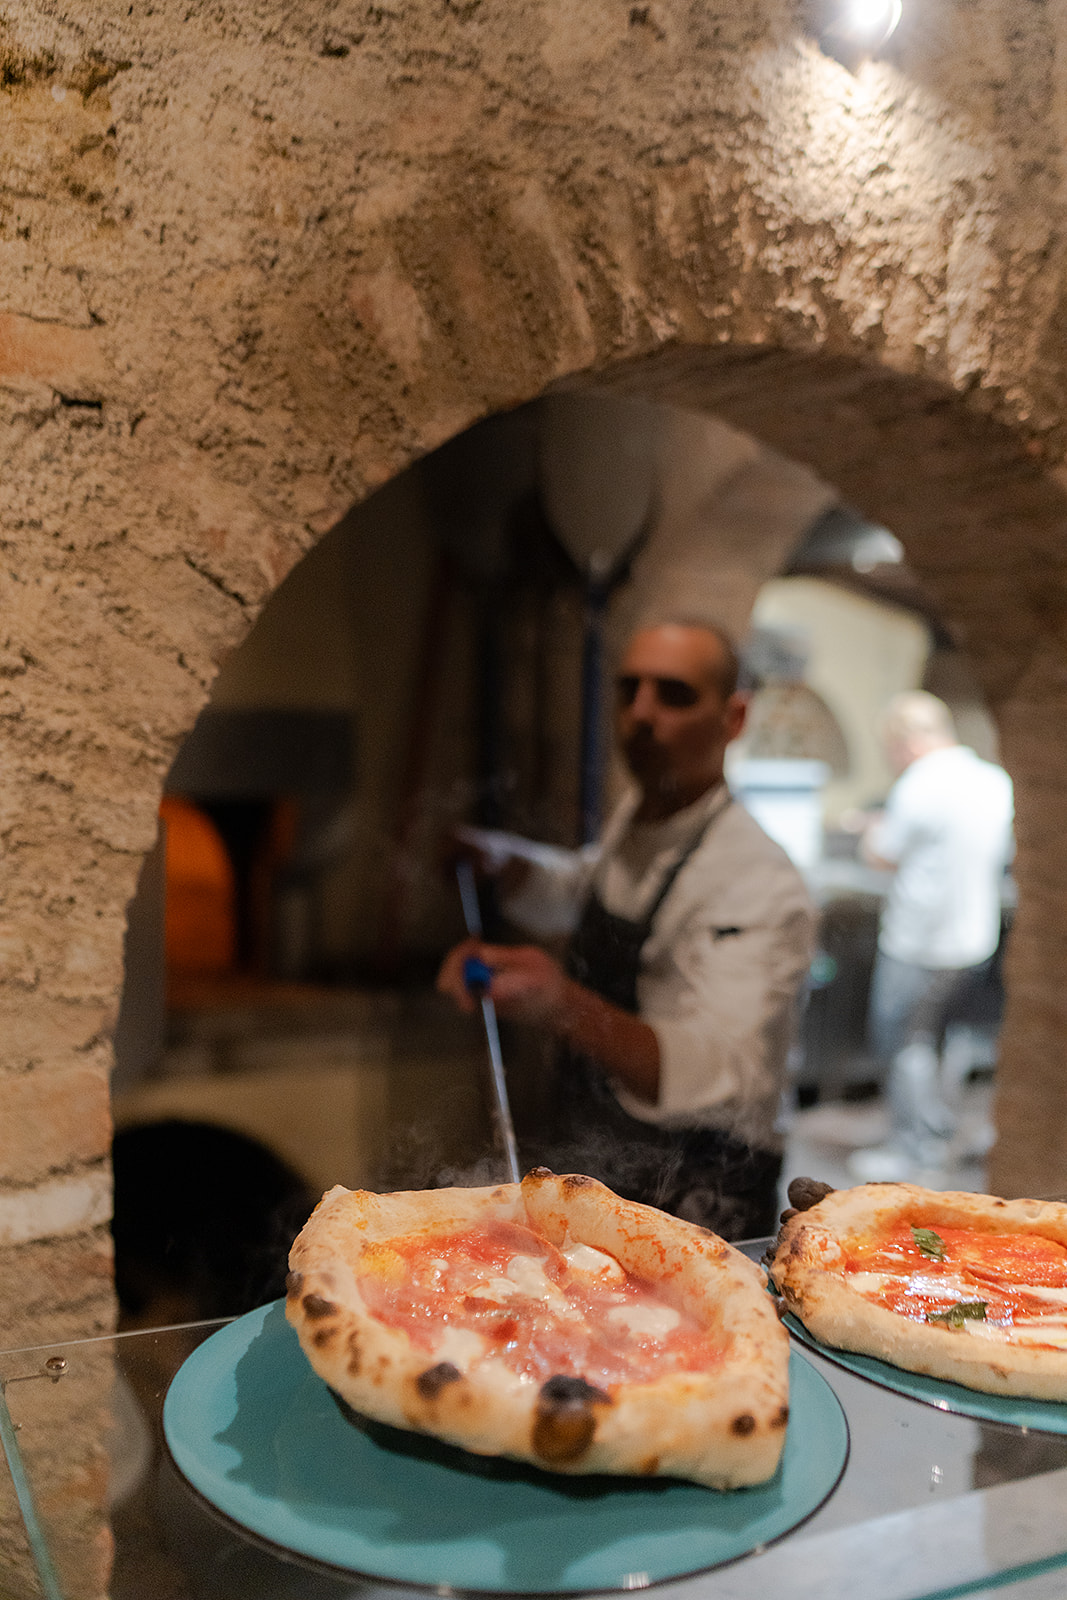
468 893
477 976
500 1090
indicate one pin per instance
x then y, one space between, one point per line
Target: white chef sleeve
547 904
724 1015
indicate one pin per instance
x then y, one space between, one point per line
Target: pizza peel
477 977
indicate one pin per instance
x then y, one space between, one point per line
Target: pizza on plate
965 1287
548 1321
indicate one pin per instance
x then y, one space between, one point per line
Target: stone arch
256 269
255 260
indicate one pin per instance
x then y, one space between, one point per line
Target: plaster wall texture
254 259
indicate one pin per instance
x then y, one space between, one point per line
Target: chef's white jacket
723 968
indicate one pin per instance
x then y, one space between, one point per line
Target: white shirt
947 830
722 968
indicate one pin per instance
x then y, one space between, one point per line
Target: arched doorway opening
396 623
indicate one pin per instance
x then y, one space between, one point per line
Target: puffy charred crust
315 1306
564 1390
434 1379
780 1418
743 1425
294 1282
804 1193
791 1251
540 1173
565 1418
355 1355
576 1180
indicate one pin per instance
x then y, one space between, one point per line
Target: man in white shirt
945 834
691 936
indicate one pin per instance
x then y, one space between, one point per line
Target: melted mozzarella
935 1285
527 1276
586 1262
524 1275
647 1320
1056 1297
461 1346
496 1288
945 1286
1039 1330
869 1283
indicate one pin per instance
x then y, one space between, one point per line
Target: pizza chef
690 936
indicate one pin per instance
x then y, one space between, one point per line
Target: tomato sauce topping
962 1266
537 1313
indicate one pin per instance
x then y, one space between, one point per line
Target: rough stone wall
256 257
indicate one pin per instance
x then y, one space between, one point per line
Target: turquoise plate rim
1039 1416
235 1454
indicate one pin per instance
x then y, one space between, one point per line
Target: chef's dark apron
701 1174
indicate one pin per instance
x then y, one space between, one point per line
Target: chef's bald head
913 724
717 646
677 709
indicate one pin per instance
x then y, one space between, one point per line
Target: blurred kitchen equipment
597 479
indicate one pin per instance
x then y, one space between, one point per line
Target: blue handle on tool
477 975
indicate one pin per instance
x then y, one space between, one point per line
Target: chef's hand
527 985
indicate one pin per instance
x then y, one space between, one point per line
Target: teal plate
1042 1416
260 1437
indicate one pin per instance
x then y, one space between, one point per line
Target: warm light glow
868 23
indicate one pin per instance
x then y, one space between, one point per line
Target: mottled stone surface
255 258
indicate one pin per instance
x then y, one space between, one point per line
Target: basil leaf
963 1311
929 1243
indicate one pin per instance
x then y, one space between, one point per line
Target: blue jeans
907 1013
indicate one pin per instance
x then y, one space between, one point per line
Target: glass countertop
931 1504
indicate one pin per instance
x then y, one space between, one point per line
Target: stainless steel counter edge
955 1543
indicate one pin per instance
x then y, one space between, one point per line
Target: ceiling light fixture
858 28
